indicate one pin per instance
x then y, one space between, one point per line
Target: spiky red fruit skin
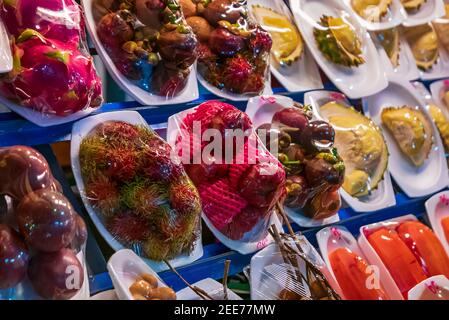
236 72
121 164
56 19
184 198
104 196
49 85
119 130
261 41
129 228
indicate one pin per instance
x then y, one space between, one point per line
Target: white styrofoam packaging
432 175
437 209
427 12
332 238
250 242
301 75
380 198
371 254
189 93
261 110
266 283
354 82
82 129
394 16
431 289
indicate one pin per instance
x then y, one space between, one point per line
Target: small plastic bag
53 73
148 41
297 272
137 194
239 181
43 239
233 55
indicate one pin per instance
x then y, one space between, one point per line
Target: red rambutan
129 228
184 198
121 164
236 72
104 196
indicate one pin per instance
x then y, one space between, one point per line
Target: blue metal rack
15 130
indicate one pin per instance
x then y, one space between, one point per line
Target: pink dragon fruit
51 76
56 19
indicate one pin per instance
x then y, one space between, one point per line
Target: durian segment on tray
371 10
442 28
390 41
411 130
423 41
338 41
361 145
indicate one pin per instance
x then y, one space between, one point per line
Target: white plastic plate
437 209
212 287
354 82
303 74
430 288
429 11
380 198
5 50
395 16
82 129
432 175
261 110
436 89
333 238
189 93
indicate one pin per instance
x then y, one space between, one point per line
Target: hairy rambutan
157 248
184 198
104 196
143 197
121 163
236 72
118 131
261 41
92 156
129 228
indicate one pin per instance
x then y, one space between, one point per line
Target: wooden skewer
225 278
200 292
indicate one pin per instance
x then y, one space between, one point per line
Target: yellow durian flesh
411 5
389 39
361 145
288 45
441 122
423 42
411 131
371 10
345 35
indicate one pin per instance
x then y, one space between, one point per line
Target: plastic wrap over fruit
233 50
239 181
314 168
43 238
149 42
140 190
53 72
291 269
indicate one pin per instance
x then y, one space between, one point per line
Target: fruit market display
233 50
240 186
288 45
410 251
411 130
41 235
53 72
149 42
143 196
360 144
314 169
338 41
390 41
423 41
372 11
350 271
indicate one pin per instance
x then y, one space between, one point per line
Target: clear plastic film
291 270
53 73
43 239
149 42
441 26
314 169
360 144
239 181
233 51
141 193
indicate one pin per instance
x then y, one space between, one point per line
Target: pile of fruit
149 42
52 72
239 184
143 196
49 232
233 50
314 169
